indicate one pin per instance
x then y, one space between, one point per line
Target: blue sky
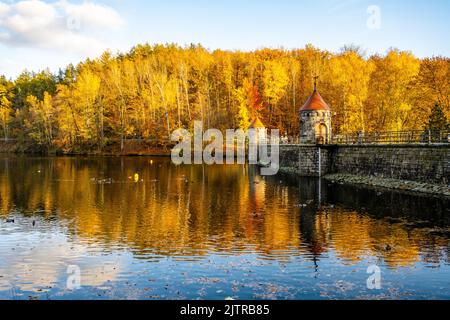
36 34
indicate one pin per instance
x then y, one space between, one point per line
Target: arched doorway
321 133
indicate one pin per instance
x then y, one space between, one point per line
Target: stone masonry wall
428 164
304 160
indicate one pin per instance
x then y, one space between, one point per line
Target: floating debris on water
103 181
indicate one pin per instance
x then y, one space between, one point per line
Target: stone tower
315 120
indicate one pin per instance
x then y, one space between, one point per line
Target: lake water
141 228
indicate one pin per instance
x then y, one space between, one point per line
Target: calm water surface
200 232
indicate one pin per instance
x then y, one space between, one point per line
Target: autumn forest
152 90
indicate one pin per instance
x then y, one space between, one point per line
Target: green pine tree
438 119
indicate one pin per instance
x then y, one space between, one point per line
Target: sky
38 34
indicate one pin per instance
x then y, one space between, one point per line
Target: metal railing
289 140
395 137
387 137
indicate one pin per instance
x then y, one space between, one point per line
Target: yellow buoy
136 178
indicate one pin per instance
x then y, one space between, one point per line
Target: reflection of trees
171 212
191 210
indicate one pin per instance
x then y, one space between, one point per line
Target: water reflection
190 223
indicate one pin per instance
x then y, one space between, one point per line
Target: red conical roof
315 103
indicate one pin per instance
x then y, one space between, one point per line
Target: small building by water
315 120
260 130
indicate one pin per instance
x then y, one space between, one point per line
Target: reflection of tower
315 120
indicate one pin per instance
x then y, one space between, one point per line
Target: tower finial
315 82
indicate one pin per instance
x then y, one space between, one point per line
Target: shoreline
391 184
343 178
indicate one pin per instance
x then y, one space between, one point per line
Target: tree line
149 91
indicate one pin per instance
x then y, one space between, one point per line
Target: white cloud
4 8
92 15
57 25
44 259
